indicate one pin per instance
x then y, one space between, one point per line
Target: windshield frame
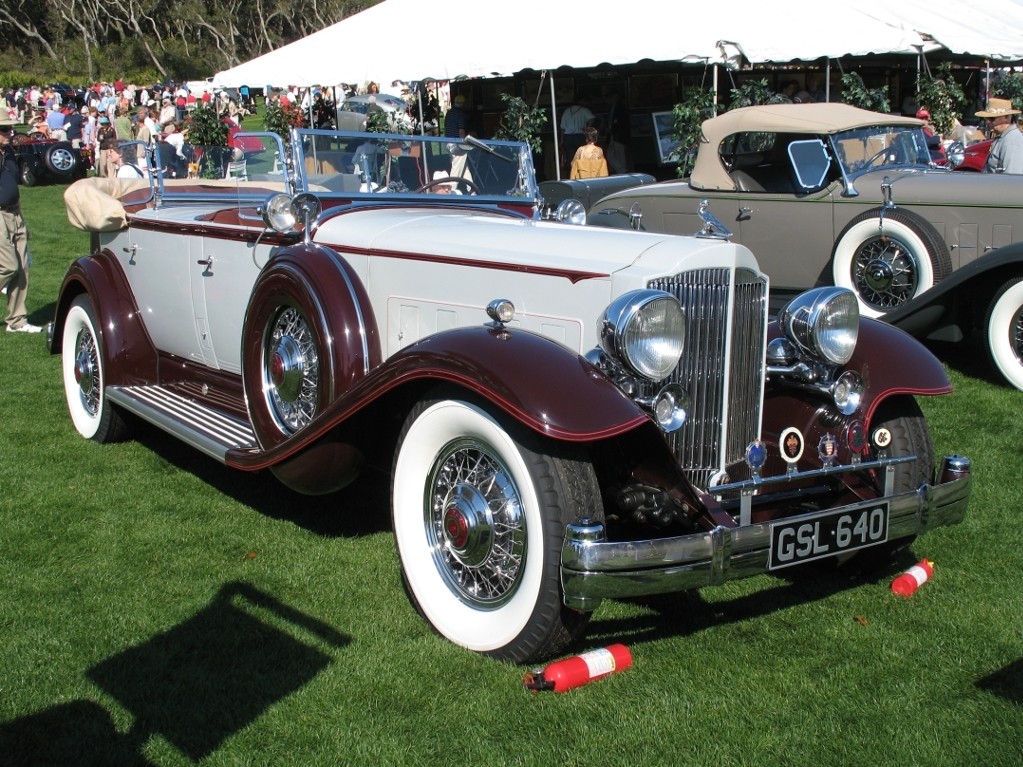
863 150
502 171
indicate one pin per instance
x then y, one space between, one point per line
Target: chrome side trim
593 568
208 430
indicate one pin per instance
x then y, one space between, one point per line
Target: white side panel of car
159 270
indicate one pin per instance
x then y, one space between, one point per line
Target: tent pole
554 115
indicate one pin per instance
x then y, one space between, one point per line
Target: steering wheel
470 186
882 154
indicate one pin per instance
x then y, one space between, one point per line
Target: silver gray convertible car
827 194
566 414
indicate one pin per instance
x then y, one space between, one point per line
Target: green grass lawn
158 608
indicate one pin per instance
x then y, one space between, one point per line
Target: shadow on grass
362 508
687 613
42 315
1006 682
194 685
969 357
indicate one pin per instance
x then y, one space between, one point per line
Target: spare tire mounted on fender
888 261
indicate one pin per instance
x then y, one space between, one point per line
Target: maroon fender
539 382
330 296
892 362
130 355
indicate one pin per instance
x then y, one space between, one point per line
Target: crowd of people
117 111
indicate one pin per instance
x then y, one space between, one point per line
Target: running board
204 428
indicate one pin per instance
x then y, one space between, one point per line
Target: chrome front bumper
593 568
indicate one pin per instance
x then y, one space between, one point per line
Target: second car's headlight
824 322
644 330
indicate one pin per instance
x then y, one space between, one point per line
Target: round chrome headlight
824 323
956 154
644 330
279 213
570 211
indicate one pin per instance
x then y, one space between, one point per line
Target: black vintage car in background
44 159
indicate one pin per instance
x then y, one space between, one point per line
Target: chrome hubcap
62 159
291 371
87 371
475 525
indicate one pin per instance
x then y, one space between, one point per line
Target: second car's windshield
866 148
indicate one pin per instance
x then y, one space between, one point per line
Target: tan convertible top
812 119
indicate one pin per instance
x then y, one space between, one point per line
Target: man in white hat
1006 154
13 234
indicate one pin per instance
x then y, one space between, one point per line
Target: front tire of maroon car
1004 329
907 434
84 372
479 511
887 271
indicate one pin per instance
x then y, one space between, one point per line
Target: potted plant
208 135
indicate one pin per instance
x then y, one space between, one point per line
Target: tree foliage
856 93
943 97
522 122
80 41
689 115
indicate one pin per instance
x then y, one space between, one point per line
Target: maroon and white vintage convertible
567 414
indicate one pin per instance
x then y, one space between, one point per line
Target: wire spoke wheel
475 524
885 273
291 370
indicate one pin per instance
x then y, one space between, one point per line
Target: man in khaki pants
13 234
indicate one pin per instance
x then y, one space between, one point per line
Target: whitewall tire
479 516
885 269
83 368
1004 330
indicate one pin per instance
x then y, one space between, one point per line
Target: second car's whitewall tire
914 261
1004 331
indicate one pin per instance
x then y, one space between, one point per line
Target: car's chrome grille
722 366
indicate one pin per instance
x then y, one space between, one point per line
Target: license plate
793 543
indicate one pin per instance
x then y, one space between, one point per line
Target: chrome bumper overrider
593 568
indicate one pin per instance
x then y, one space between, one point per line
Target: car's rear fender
130 355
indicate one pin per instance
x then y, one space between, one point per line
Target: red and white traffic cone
563 675
915 577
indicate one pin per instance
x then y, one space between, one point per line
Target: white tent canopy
994 31
448 39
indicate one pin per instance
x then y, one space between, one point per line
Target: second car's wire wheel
87 371
1016 334
291 370
885 273
475 524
